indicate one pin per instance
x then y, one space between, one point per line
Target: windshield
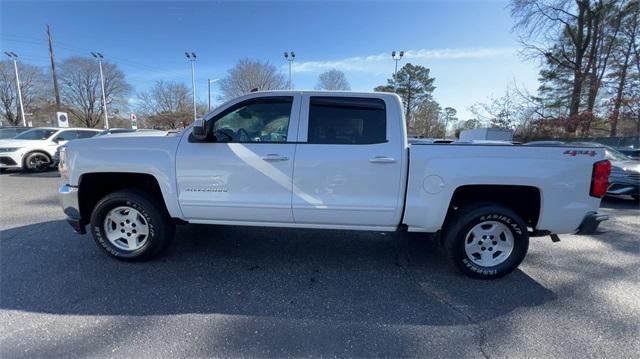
7 133
36 134
114 131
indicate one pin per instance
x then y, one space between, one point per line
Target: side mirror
199 130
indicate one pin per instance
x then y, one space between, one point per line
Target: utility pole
192 58
289 57
99 57
210 81
396 58
14 57
53 71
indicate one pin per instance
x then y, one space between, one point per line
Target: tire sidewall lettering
517 232
99 231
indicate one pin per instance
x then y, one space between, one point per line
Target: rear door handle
275 157
382 159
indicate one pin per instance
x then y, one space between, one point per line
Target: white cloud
380 63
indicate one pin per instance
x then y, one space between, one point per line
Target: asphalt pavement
262 292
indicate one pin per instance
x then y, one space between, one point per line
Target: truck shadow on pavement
280 273
50 173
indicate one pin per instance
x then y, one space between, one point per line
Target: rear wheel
131 225
37 162
486 241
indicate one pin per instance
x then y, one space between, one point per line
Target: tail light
600 178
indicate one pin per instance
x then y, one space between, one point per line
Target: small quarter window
347 120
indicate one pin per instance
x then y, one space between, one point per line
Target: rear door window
86 134
67 135
347 120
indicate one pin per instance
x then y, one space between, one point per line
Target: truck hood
117 142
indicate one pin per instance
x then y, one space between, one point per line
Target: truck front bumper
69 201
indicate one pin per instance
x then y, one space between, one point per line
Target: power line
69 47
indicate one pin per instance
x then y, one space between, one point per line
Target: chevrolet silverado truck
329 160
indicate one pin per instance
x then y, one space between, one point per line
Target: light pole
14 57
192 58
98 56
289 56
209 82
396 56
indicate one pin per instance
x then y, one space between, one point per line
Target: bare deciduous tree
81 90
333 80
31 85
249 74
166 105
560 31
623 58
427 120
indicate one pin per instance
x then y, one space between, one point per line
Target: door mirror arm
200 130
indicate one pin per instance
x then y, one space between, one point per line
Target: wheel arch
30 152
94 186
526 201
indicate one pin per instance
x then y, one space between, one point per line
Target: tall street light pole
289 56
98 56
14 57
209 82
396 56
192 58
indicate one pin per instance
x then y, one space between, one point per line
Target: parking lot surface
264 292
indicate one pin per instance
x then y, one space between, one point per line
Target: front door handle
382 159
275 157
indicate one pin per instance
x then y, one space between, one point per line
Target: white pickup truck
331 160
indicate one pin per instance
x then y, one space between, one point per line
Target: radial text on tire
486 241
131 225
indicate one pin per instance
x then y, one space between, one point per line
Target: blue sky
468 45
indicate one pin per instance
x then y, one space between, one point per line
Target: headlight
9 149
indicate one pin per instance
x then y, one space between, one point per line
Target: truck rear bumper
69 202
590 222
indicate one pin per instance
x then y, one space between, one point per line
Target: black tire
458 232
161 228
36 162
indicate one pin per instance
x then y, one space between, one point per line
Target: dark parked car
633 153
625 172
11 131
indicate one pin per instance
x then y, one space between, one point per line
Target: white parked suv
331 160
33 149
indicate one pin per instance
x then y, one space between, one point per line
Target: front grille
7 161
634 176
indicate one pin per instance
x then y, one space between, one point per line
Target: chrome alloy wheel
489 243
126 228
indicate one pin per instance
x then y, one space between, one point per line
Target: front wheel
486 241
131 225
